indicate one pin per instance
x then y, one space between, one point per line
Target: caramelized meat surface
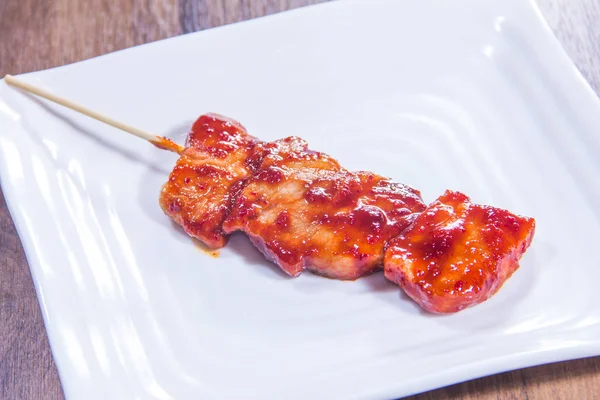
457 254
202 187
303 210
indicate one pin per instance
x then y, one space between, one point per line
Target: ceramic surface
470 95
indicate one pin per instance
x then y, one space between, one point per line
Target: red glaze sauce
167 144
207 177
457 254
305 211
283 220
270 175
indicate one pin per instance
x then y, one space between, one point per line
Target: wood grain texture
39 34
576 24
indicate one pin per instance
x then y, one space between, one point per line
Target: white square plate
470 95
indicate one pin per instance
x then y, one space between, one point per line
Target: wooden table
38 34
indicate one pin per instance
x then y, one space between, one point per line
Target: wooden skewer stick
158 141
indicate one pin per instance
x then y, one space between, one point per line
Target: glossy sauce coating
303 210
166 144
202 187
457 254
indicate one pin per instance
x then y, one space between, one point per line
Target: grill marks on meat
303 210
202 187
298 206
457 254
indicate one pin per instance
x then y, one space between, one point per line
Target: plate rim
455 375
